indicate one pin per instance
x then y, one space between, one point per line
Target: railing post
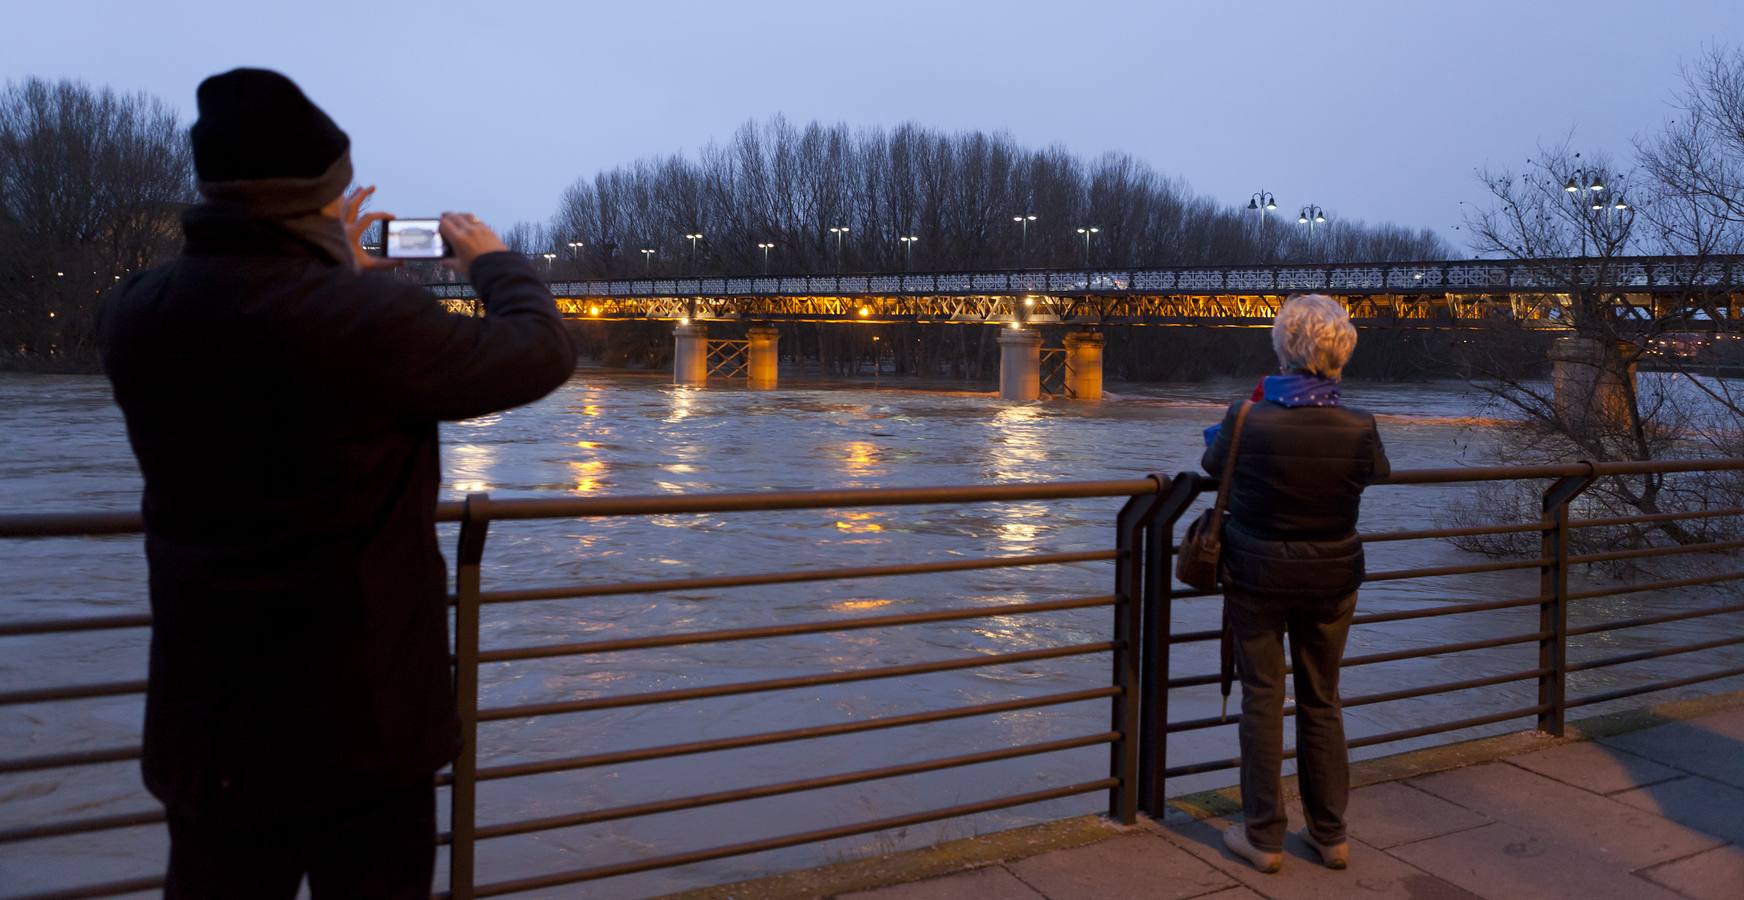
1553 607
1123 754
1159 590
463 812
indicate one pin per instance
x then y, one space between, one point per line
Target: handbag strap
1229 462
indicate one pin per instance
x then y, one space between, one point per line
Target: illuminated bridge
1434 294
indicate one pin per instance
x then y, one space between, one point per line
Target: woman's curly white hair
1313 334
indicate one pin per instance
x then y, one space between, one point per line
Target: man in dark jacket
282 403
1292 562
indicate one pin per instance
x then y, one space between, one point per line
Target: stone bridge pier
1020 364
1591 381
690 354
1020 369
762 359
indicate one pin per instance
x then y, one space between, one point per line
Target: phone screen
414 239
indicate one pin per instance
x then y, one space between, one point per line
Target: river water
62 447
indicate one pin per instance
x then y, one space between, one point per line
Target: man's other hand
469 239
356 225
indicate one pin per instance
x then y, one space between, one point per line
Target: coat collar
210 230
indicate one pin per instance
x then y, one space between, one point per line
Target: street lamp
548 258
907 250
1024 220
765 248
839 232
1593 186
1086 232
1262 202
647 260
1311 216
693 238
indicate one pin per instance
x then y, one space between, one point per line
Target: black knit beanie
256 126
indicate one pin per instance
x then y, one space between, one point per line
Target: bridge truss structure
1433 294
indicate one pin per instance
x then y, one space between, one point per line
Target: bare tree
1583 222
91 184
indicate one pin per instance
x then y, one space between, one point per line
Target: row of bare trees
824 198
91 184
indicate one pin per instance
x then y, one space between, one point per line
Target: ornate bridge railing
1125 616
1645 274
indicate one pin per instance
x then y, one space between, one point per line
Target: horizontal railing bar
1384 738
1406 734
768 501
1621 693
1654 654
106 889
792 840
1656 517
97 524
1471 569
64 760
1389 656
1478 606
81 826
1655 620
91 524
1657 586
791 577
71 692
769 631
782 684
1367 699
1473 531
791 787
1673 550
1212 634
793 734
81 623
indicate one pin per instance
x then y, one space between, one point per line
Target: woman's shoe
1235 838
1336 856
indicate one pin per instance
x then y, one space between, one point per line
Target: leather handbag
1197 562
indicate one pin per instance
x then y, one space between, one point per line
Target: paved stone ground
1656 813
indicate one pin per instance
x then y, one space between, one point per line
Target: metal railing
729 358
1139 597
1481 276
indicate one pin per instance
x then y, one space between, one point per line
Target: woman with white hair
1291 565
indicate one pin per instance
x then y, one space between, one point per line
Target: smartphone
414 239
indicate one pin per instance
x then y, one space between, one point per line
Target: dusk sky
1379 111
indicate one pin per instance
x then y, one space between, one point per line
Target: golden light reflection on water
859 522
1020 525
860 457
683 404
1016 447
858 605
470 466
588 476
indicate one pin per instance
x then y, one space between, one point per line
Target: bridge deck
1430 293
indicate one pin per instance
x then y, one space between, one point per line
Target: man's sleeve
436 365
1212 461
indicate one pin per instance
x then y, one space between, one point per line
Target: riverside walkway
1639 805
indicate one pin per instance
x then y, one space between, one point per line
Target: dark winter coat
283 409
1299 478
